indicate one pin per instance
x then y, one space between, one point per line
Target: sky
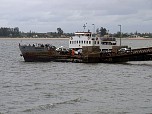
71 15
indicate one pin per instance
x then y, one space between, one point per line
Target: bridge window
98 42
104 43
109 43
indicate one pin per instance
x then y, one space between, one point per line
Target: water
73 88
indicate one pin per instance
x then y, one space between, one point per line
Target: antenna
84 26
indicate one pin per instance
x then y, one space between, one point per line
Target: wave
40 108
138 63
51 105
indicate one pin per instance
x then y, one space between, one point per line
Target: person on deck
72 52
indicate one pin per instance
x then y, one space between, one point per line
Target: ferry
88 39
47 52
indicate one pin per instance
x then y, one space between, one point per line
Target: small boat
38 52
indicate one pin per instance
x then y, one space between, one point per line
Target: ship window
77 42
98 42
104 43
84 42
89 42
94 42
108 43
70 42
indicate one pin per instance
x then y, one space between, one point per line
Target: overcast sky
71 15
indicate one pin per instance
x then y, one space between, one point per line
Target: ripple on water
40 108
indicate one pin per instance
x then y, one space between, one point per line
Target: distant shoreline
138 38
34 38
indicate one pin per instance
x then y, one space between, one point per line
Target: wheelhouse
88 39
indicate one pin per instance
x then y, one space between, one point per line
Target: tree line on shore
9 32
15 32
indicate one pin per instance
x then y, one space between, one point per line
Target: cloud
70 15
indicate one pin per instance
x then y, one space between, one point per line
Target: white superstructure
88 39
